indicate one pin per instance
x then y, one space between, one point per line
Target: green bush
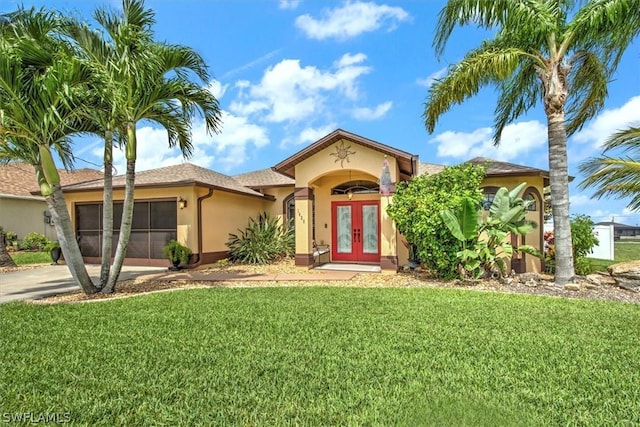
34 242
583 266
416 211
582 236
264 240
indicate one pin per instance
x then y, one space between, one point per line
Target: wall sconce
350 194
182 203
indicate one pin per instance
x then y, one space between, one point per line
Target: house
21 211
329 191
622 231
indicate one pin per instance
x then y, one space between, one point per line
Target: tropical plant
176 252
549 51
416 211
41 92
584 240
34 241
485 246
616 176
264 240
150 81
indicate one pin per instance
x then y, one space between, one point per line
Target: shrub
174 251
34 242
264 240
416 211
582 240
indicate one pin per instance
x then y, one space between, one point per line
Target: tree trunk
125 228
5 258
67 239
107 210
559 180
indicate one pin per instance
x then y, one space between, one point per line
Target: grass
324 356
623 251
28 257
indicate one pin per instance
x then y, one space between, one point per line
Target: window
487 201
533 202
356 187
290 210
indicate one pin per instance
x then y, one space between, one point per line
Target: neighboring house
329 191
623 231
23 212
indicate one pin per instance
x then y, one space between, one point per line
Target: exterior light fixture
350 194
182 203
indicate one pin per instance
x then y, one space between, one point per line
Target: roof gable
407 162
264 178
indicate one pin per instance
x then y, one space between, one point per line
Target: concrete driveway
54 279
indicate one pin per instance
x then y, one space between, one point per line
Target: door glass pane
117 215
343 214
370 229
138 245
158 240
90 243
88 217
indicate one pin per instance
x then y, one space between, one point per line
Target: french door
355 231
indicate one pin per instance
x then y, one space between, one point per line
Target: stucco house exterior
328 190
21 211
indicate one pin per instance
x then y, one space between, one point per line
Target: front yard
324 356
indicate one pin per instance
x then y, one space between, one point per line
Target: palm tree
543 50
40 93
150 81
616 176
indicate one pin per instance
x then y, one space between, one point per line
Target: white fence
604 233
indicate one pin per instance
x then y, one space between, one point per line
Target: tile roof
19 179
496 167
429 168
264 178
183 174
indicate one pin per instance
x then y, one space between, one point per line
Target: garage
154 224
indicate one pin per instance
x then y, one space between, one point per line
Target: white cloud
581 200
291 92
518 140
351 20
431 78
288 4
217 89
308 135
609 122
365 113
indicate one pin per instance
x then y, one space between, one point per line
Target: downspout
198 261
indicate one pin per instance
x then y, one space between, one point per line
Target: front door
356 231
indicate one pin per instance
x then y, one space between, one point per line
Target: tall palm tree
616 176
40 94
543 50
151 81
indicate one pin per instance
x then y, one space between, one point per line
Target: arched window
533 202
356 187
489 195
290 210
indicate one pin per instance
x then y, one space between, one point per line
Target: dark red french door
355 231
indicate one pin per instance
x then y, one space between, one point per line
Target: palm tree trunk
125 228
67 239
107 210
5 258
559 180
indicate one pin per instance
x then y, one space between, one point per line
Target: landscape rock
627 275
531 283
526 277
572 287
594 279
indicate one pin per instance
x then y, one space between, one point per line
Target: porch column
304 226
388 237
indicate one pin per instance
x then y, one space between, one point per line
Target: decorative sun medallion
342 153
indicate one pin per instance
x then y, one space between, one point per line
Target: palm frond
588 79
480 67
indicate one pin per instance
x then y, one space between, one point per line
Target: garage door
154 224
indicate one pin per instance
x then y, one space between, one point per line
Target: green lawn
26 257
324 356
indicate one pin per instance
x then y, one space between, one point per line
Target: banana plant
485 241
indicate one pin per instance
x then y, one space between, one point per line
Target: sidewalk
203 276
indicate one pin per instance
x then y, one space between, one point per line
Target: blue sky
287 72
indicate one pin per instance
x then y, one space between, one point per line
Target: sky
288 72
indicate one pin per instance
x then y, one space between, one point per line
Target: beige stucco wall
225 213
280 193
322 172
23 216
